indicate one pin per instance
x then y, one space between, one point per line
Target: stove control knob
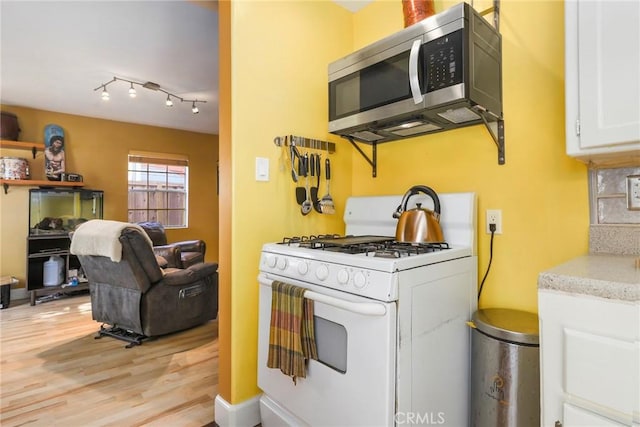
322 272
359 280
343 276
303 268
271 261
282 263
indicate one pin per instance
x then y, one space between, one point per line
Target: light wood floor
54 373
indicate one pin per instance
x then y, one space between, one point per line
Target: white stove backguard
365 215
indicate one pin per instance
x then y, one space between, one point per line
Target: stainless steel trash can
505 369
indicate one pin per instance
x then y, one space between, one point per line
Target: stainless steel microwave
441 73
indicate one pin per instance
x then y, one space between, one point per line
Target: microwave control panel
443 61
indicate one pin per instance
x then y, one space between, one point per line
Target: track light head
168 102
194 109
132 91
105 94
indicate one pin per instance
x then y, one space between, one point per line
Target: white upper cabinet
602 74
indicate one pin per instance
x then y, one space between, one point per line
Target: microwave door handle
364 308
414 83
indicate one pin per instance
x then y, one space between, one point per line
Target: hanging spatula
314 190
326 203
301 191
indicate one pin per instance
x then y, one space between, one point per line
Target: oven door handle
364 308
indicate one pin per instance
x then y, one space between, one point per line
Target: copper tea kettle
419 225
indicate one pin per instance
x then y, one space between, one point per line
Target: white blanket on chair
101 237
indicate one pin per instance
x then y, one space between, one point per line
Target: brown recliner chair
178 254
129 290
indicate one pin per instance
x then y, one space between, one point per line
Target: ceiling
353 5
53 54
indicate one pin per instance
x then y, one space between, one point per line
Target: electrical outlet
494 216
633 192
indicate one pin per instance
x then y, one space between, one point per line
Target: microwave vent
367 136
412 128
460 115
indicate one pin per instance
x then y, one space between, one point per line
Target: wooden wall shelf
34 147
38 183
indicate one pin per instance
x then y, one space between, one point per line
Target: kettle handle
416 190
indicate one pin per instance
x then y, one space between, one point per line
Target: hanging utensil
313 191
326 203
301 192
307 206
292 153
316 201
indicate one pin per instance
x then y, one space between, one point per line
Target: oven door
353 382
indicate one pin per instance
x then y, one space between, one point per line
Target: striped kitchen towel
291 338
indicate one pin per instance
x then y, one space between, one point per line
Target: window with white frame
158 189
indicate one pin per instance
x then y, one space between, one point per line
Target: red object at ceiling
417 10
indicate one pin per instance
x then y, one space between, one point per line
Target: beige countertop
601 275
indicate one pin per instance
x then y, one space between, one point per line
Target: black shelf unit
39 249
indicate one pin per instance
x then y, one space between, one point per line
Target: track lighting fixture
151 86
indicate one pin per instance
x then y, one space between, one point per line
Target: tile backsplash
608 197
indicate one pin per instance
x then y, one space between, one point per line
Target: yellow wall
97 149
279 52
279 56
225 210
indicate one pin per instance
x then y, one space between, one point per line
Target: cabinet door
589 356
601 372
602 76
576 417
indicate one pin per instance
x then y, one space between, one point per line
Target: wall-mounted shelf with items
38 183
34 147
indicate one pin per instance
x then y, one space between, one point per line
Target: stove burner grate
378 246
401 249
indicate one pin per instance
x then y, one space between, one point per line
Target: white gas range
390 320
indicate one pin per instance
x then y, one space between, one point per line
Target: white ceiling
55 53
353 5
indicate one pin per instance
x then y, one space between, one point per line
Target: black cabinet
39 250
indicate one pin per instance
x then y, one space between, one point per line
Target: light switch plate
633 192
262 169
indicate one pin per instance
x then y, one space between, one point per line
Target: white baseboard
244 414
